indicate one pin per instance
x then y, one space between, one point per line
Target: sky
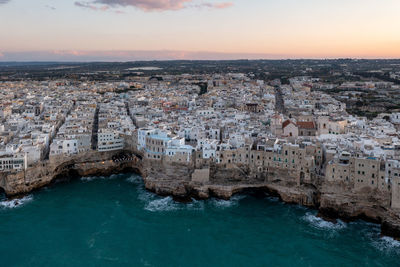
124 30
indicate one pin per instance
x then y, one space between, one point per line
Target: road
279 102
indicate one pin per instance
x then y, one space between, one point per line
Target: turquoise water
113 221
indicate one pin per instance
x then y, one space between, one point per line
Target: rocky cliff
332 200
61 168
175 179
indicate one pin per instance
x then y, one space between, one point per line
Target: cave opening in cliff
259 193
3 195
65 176
131 170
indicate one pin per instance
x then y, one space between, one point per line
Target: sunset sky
198 29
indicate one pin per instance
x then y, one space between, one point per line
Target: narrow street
279 102
95 128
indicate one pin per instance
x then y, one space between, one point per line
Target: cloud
51 7
91 6
147 5
214 5
4 1
151 5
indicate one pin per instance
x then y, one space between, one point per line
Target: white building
16 162
109 140
182 152
142 133
395 118
64 147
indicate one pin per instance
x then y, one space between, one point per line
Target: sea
114 221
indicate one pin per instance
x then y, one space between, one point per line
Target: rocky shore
333 201
51 171
329 209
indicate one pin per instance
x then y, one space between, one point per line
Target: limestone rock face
46 172
336 200
167 178
333 200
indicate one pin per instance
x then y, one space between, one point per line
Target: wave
322 224
272 199
155 203
144 195
387 244
92 178
114 176
15 203
365 223
168 204
195 205
134 179
163 204
221 203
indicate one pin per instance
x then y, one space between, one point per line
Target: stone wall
201 175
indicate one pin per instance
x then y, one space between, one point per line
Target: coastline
171 179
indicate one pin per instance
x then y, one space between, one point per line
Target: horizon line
169 55
171 60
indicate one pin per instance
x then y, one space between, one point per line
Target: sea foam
322 224
154 203
134 179
195 205
387 244
14 203
221 203
163 204
92 178
272 199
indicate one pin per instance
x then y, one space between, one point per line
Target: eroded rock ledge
173 179
333 201
44 173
